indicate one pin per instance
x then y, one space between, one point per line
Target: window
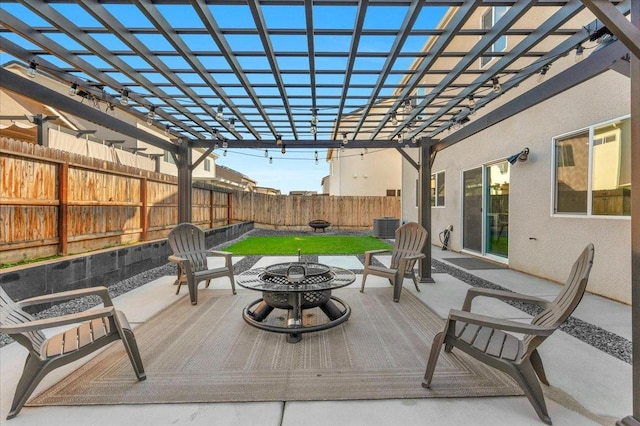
489 19
207 165
437 189
168 158
391 192
593 171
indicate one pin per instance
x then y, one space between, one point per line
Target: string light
225 144
543 73
232 123
497 87
579 53
266 153
220 113
215 146
284 149
270 160
151 114
317 162
345 140
278 139
73 89
361 156
472 102
31 72
407 106
166 130
394 119
124 99
315 154
224 153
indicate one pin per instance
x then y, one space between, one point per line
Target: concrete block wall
101 268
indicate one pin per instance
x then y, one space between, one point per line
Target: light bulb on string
472 102
345 139
270 160
394 119
225 144
232 123
315 154
31 72
579 53
124 98
266 153
224 153
284 149
497 87
220 113
73 89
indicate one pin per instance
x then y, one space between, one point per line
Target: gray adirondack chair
98 328
410 238
190 253
484 337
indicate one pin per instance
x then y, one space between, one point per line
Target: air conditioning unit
385 227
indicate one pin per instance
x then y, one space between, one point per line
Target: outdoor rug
207 353
471 263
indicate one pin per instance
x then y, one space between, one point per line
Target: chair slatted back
11 314
410 239
567 300
187 240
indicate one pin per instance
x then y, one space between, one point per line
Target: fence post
63 201
143 209
229 208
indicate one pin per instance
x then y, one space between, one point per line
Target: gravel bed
593 335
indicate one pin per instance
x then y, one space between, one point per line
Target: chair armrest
473 292
66 295
177 259
501 324
369 253
219 253
414 256
57 321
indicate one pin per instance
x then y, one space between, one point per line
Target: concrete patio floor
589 386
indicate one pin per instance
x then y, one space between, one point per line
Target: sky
294 171
297 169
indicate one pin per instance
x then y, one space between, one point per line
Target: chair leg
193 291
526 377
536 362
436 345
34 371
233 283
397 288
130 345
415 281
364 279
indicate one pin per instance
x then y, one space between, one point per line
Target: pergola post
424 208
634 420
184 182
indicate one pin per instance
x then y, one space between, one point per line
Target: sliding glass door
485 210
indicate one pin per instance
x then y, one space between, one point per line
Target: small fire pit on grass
319 224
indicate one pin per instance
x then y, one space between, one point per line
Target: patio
575 398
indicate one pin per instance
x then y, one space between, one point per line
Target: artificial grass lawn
313 244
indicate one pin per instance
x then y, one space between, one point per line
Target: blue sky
297 169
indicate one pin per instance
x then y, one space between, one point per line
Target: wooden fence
54 202
296 211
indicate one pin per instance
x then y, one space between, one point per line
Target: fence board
104 205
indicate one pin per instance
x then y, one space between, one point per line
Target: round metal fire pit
294 287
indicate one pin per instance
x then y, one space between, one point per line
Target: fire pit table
294 287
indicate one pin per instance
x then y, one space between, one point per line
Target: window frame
486 60
591 129
434 199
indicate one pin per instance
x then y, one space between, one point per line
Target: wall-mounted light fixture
521 156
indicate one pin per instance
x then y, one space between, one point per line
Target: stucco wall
541 243
368 174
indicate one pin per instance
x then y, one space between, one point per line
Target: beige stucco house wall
354 172
541 243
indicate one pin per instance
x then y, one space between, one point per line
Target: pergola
313 74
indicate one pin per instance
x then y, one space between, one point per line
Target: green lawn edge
312 244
